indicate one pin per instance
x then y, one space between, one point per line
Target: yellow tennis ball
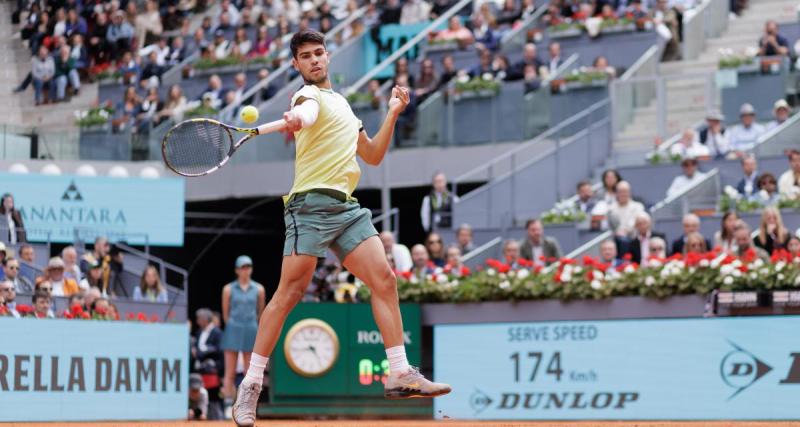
249 114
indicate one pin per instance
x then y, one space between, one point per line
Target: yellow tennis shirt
326 151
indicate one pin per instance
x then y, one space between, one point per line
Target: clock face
311 347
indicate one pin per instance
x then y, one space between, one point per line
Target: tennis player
320 213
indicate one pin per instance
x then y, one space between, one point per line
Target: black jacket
635 246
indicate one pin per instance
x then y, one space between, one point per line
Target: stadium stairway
685 80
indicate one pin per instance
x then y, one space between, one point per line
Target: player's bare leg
296 272
368 262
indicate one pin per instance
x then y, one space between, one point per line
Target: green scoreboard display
330 360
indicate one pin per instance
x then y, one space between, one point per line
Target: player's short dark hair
305 36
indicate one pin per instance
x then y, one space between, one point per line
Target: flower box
442 46
473 94
627 28
565 33
361 105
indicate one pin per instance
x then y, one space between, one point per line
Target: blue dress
242 326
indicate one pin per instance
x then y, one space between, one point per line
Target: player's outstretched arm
372 150
302 115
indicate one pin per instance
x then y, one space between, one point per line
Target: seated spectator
401 69
555 61
585 202
622 213
414 11
744 243
42 72
8 296
28 255
608 191
690 177
152 69
695 244
600 64
532 80
794 246
789 182
21 284
215 91
173 19
767 194
781 111
691 224
399 252
177 52
198 398
119 35
174 106
99 46
454 265
689 146
79 300
772 43
150 287
484 66
511 253
427 82
608 253
75 24
747 186
448 70
79 54
148 108
529 57
130 68
262 44
744 136
390 13
484 29
437 207
723 238
464 239
772 234
220 47
41 306
639 247
455 32
537 247
97 255
71 268
65 72
242 42
100 307
435 247
658 248
148 24
422 265
713 135
11 224
500 67
510 14
54 277
93 277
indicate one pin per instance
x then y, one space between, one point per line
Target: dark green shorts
316 222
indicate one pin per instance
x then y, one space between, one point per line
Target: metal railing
538 104
778 140
480 254
707 20
590 248
515 38
390 217
627 97
702 194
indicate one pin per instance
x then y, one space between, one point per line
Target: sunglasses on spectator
656 248
48 289
12 267
430 242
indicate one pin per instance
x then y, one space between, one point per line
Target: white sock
255 373
397 359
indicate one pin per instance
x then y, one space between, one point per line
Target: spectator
92 295
240 86
399 252
601 65
148 24
390 14
208 359
41 306
414 11
555 60
747 185
243 300
484 29
221 47
130 69
54 276
714 136
464 238
152 69
690 177
119 34
42 72
242 43
608 253
454 264
723 238
437 207
77 299
689 146
585 197
100 306
214 91
177 52
532 80
658 248
21 284
500 67
691 224
455 32
401 69
427 82
172 19
79 54
622 213
113 311
93 278
668 18
639 247
744 136
65 72
511 253
150 288
97 256
198 398
99 45
11 224
608 192
772 234
435 247
794 246
60 24
75 24
174 107
448 70
744 243
115 268
781 111
8 295
695 244
772 43
71 268
537 247
422 265
509 14
789 182
484 66
261 46
767 194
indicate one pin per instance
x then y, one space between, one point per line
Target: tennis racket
197 147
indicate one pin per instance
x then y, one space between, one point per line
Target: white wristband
307 112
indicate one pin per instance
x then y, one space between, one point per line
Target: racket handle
270 127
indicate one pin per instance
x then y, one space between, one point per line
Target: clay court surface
409 423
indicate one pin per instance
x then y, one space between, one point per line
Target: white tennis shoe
244 409
412 384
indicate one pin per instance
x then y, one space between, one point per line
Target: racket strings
196 147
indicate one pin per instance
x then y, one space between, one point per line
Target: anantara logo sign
136 210
731 368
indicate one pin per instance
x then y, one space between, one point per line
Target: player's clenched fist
293 122
399 101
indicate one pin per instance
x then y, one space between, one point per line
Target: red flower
76 309
3 310
627 257
781 255
406 275
130 317
141 317
154 318
538 269
101 311
749 255
24 309
447 268
589 261
525 263
171 315
465 271
743 268
85 315
68 315
564 260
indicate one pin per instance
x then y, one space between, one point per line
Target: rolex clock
311 348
